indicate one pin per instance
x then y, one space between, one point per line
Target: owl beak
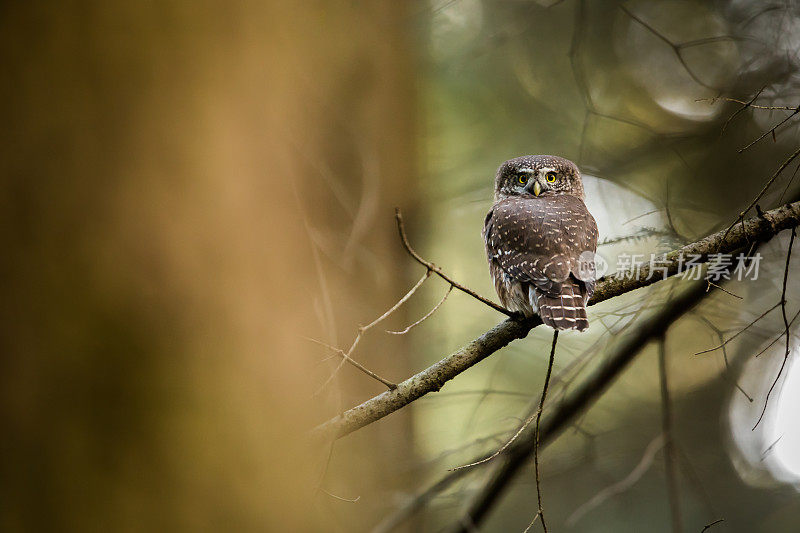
537 188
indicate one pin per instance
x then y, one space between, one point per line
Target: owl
540 240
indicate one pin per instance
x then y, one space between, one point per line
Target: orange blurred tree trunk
158 274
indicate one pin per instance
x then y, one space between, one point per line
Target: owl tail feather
565 311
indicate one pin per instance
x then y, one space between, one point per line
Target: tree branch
759 228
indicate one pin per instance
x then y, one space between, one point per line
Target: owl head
538 176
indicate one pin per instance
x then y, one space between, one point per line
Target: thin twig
536 414
438 271
769 449
537 515
771 130
712 524
355 363
364 329
776 339
536 430
725 376
762 192
503 448
400 302
726 291
786 326
745 105
762 315
750 103
789 184
341 498
427 316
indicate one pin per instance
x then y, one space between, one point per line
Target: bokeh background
193 193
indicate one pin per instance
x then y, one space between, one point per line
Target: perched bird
541 240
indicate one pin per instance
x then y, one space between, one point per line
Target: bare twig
540 512
712 524
789 183
745 105
721 338
762 315
438 271
786 326
771 130
769 449
763 191
355 363
536 516
341 498
363 329
776 339
750 103
723 289
400 302
500 450
427 316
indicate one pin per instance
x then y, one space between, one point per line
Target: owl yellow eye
522 179
550 177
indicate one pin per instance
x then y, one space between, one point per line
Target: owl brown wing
540 240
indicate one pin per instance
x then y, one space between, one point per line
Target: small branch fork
795 110
427 315
731 380
429 268
763 191
438 271
762 315
749 104
355 363
361 331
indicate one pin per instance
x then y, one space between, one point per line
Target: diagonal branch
361 331
760 228
427 315
355 363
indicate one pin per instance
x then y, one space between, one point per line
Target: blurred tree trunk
158 275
